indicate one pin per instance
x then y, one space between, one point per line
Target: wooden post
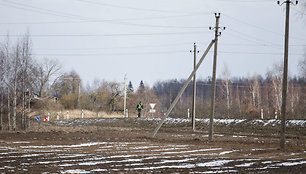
213 89
124 101
285 79
194 86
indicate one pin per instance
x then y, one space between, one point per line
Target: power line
250 37
157 45
135 8
107 35
259 53
42 10
159 26
114 54
279 45
258 27
100 20
111 48
251 25
85 19
244 37
158 52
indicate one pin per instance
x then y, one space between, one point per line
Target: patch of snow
221 171
175 161
167 149
130 160
291 163
6 148
171 145
295 159
18 142
122 156
268 162
72 155
47 162
143 147
105 147
272 122
66 165
190 151
245 164
98 170
239 136
202 154
227 152
214 163
30 155
135 164
166 167
296 122
64 146
75 171
90 163
9 167
219 135
257 149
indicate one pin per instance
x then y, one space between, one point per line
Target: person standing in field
139 108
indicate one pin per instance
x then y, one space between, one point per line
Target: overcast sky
150 40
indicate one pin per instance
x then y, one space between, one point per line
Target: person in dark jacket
139 108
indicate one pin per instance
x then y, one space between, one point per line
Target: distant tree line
236 98
30 84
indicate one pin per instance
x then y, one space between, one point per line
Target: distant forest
236 98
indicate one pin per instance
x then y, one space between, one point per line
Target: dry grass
72 114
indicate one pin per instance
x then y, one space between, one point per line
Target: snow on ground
125 156
214 163
169 120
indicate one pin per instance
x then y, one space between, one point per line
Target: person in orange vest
139 108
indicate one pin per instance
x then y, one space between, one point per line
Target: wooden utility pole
8 111
194 85
29 109
1 106
79 93
182 90
285 76
124 102
213 89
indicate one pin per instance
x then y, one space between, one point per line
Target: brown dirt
126 146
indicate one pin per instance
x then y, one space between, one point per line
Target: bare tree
255 89
238 98
302 66
226 84
2 74
5 47
15 77
48 70
16 73
276 78
25 74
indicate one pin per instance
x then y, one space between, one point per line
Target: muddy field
126 146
